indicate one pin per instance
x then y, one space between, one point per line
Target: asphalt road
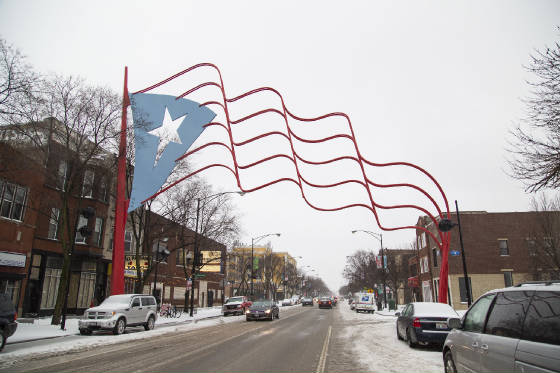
304 339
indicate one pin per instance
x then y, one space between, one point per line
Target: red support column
121 205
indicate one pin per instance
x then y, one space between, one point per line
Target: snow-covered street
373 340
360 341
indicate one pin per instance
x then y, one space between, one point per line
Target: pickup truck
236 306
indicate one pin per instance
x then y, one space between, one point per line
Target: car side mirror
454 323
397 313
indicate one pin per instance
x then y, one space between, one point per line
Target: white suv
119 311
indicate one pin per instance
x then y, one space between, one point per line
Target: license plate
441 325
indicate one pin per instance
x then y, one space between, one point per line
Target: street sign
199 275
454 253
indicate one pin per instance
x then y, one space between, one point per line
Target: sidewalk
41 328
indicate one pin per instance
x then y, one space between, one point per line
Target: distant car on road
8 317
516 329
119 311
424 322
262 310
307 302
325 302
236 306
287 302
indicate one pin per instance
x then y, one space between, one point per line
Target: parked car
307 302
119 311
325 302
424 322
516 329
296 299
352 304
262 309
236 306
8 317
287 302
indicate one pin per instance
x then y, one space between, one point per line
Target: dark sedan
307 302
325 302
8 316
263 310
424 322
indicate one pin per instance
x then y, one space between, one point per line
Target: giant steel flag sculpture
185 121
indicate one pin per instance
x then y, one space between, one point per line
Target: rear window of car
507 314
542 323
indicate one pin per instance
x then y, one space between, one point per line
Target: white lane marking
323 358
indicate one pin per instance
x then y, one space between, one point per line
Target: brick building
499 252
31 225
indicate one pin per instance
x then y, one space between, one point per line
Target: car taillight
329 302
15 316
416 323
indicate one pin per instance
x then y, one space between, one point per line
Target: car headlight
267 311
108 315
248 311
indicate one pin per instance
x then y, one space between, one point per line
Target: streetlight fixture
378 237
196 257
253 240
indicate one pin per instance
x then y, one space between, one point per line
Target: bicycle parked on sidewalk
169 310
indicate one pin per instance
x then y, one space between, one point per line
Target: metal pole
252 265
383 267
195 256
467 285
155 275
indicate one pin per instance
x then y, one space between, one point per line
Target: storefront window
11 288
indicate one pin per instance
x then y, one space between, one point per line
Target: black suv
8 318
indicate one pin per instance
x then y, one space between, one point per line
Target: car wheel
448 363
399 334
411 344
85 331
247 319
149 325
120 326
2 340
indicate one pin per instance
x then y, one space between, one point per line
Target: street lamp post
379 237
196 256
253 240
446 225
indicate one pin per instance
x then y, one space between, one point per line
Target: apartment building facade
499 252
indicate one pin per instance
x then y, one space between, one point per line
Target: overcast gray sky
438 84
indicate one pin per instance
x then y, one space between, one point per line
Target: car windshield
262 303
235 299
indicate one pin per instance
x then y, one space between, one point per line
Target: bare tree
17 80
535 147
80 125
361 270
544 245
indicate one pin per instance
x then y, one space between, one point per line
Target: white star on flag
167 133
